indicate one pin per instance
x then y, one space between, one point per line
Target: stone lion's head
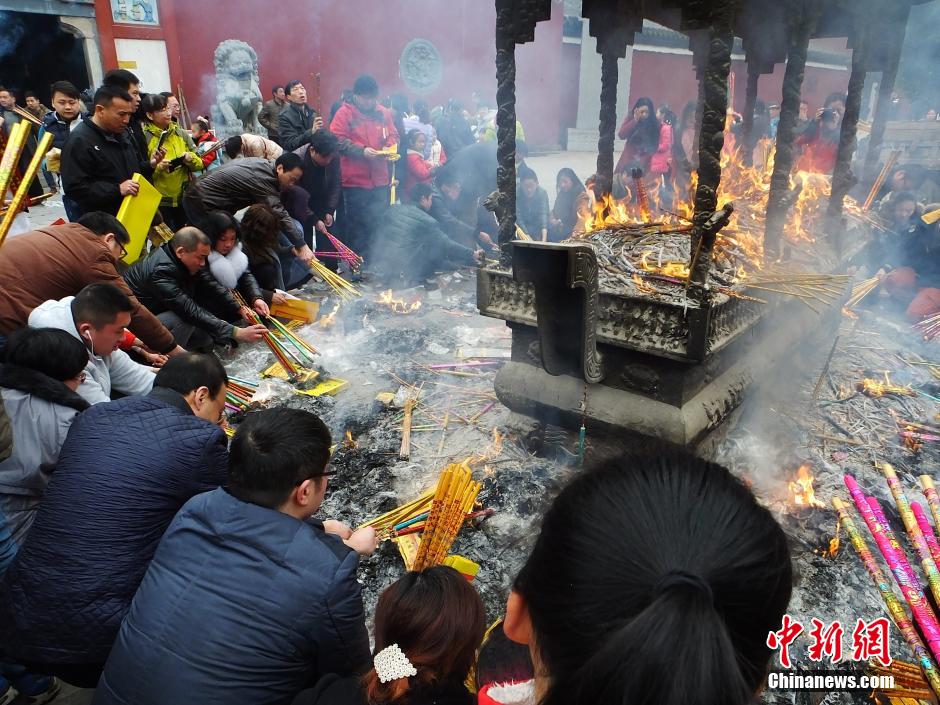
236 58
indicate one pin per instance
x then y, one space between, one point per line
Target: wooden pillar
842 177
505 126
894 37
607 125
777 202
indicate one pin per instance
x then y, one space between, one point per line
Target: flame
641 286
491 452
802 488
398 305
329 320
875 388
748 187
679 270
350 442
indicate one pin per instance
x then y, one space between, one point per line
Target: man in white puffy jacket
97 316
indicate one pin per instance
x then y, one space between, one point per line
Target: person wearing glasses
97 316
63 259
248 599
123 473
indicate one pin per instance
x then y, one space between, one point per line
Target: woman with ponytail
655 581
428 626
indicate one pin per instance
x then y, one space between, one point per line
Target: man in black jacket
297 122
322 179
175 284
448 209
414 247
99 159
244 182
127 81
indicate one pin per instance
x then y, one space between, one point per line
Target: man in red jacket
364 128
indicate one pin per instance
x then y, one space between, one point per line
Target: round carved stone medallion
420 66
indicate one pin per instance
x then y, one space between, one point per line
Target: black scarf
24 379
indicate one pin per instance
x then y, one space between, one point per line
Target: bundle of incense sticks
386 523
897 562
354 260
291 365
824 288
455 496
239 394
302 346
893 604
879 182
522 234
405 451
22 193
929 327
342 287
861 290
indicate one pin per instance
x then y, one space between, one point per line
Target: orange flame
875 388
802 488
398 305
330 319
350 442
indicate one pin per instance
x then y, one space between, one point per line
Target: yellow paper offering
136 214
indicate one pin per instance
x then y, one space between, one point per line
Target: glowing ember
398 305
802 488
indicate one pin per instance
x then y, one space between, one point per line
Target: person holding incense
99 158
239 252
249 599
11 114
97 316
171 175
428 626
297 122
124 471
244 182
61 261
671 574
415 247
907 257
175 284
322 180
367 134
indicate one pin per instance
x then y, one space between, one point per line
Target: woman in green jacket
172 174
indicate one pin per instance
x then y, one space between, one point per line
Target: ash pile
431 351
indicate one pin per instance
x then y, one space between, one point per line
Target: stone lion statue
239 97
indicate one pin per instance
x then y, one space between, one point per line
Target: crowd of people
146 556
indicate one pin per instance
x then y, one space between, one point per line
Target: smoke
12 30
919 72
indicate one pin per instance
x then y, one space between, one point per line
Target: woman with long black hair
571 201
641 131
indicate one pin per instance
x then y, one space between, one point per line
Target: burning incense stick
405 451
913 530
284 357
895 608
879 182
900 568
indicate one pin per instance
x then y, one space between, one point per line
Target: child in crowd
205 138
669 573
418 170
428 626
